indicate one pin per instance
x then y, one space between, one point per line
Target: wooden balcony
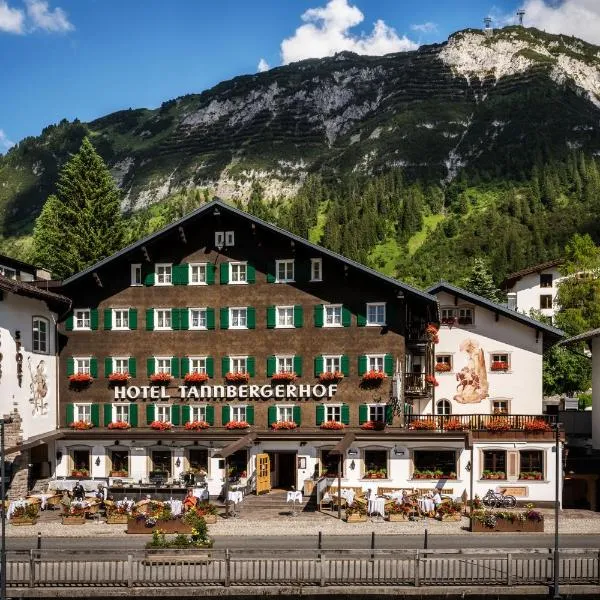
415 385
493 424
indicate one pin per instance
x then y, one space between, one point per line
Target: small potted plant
123 425
196 378
536 426
423 425
24 514
432 333
161 425
81 425
453 424
449 510
443 367
160 378
237 377
399 511
284 377
237 425
431 380
80 472
498 425
373 426
80 380
196 425
372 378
499 365
356 513
331 376
336 425
282 425
119 378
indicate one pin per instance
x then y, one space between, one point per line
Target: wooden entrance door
263 474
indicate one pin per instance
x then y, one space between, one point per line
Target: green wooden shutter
70 414
250 415
150 362
107 414
149 319
298 316
175 415
224 365
388 364
251 317
298 365
175 319
131 367
390 314
224 313
210 274
70 366
133 318
149 413
108 362
320 412
251 365
174 366
362 365
95 415
210 318
318 365
346 316
345 414
224 273
184 318
271 317
133 415
250 274
94 319
108 319
345 364
69 322
181 274
363 414
271 415
94 367
150 278
225 414
297 414
271 273
389 414
210 414
302 270
361 317
319 315
210 366
185 366
185 414
271 366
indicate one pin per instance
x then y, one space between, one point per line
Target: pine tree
480 281
82 223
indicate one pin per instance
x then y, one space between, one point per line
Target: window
198 318
285 316
434 464
448 316
161 461
162 318
376 362
238 364
229 238
82 365
8 272
238 318
238 272
333 315
238 413
197 275
545 280
40 335
500 407
443 363
162 413
81 460
376 313
120 318
532 464
81 318
285 364
224 238
120 365
333 412
198 365
546 301
329 464
120 463
164 274
377 412
316 269
512 301
197 413
494 461
331 364
443 407
136 274
375 464
162 365
500 362
285 413
284 270
465 316
121 412
82 412
199 461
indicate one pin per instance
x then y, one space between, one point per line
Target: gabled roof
586 336
56 302
217 203
550 332
512 278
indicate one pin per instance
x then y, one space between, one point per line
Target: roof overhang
37 440
233 447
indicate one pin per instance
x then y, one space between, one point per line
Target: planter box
169 526
356 519
210 519
397 517
117 519
508 526
18 521
73 519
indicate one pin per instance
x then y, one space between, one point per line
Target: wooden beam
97 279
343 445
182 234
236 445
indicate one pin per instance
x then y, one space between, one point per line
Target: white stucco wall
16 314
528 292
596 393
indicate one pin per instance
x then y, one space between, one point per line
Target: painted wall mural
472 379
38 388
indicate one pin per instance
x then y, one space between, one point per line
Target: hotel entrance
283 469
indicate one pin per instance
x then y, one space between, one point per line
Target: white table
176 506
377 506
396 496
236 496
201 493
347 495
294 496
43 498
426 505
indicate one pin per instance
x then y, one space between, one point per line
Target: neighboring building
534 288
28 369
489 361
17 270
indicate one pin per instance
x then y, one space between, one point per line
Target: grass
315 233
430 222
385 257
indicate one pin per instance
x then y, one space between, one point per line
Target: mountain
480 107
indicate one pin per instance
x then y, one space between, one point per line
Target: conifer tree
82 223
480 281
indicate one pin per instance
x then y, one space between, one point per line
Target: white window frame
158 368
114 319
461 314
78 367
500 401
285 412
285 264
316 269
329 368
332 307
499 354
198 412
378 357
157 327
230 238
242 414
238 308
242 263
135 269
83 317
238 358
166 410
115 412
450 362
376 412
330 410
42 344
200 268
512 300
197 368
282 368
79 410
158 266
376 306
219 239
115 369
190 319
8 272
437 407
277 314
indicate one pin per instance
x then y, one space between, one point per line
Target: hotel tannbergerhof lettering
246 392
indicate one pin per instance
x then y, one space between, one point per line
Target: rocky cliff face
492 104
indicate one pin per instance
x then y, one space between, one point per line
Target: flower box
373 377
449 321
80 473
375 475
432 334
196 378
498 425
119 473
80 379
73 519
423 424
431 380
196 425
443 367
453 424
160 378
237 425
499 365
19 521
81 425
536 426
507 526
123 425
284 377
356 518
117 519
531 476
165 525
119 378
450 517
500 475
396 517
334 425
237 377
161 425
331 377
283 425
373 426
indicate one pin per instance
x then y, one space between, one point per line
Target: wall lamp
352 466
97 461
178 462
468 467
353 452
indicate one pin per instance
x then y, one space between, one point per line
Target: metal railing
475 422
223 568
415 384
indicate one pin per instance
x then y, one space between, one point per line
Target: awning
37 440
243 442
343 444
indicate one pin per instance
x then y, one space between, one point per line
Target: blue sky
86 58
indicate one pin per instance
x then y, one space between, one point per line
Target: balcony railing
477 422
415 384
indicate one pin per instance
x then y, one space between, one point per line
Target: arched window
40 335
443 407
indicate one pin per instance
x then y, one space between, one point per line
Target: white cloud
12 20
41 17
580 18
327 31
5 143
263 66
428 27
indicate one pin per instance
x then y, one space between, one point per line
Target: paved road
483 541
